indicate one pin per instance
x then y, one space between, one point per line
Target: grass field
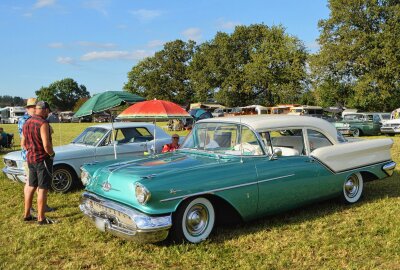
326 235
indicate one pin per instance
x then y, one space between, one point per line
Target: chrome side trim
225 188
389 168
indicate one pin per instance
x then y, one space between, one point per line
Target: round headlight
85 177
142 194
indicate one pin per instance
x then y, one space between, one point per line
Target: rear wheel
353 188
194 221
63 179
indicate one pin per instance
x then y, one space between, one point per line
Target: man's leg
44 179
29 189
41 202
28 197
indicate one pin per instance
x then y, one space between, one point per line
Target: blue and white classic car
93 144
243 167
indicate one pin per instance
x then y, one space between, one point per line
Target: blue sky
97 42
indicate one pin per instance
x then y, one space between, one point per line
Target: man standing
40 154
30 111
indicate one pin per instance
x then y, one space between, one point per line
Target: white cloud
146 14
192 34
115 55
313 46
98 5
65 60
155 43
56 45
227 25
96 44
44 3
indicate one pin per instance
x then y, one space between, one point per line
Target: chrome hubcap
352 186
61 180
196 219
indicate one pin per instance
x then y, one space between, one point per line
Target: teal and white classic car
231 167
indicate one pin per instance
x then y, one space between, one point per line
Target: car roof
124 125
267 122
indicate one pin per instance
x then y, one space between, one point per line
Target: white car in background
391 127
94 144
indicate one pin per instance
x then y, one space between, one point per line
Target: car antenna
241 146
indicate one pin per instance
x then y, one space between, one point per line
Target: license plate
98 208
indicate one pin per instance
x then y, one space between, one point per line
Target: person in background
170 147
29 112
40 154
3 137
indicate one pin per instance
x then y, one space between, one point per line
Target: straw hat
31 102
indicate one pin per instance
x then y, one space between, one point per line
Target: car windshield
353 117
91 136
223 138
385 116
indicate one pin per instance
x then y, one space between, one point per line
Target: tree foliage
358 63
255 64
164 75
11 101
63 94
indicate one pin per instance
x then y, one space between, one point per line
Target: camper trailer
10 115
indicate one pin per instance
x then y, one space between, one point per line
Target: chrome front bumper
123 221
390 130
15 174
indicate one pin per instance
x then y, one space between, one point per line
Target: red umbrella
154 109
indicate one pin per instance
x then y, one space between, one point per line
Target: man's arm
47 144
23 141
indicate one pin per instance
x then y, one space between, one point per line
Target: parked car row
227 169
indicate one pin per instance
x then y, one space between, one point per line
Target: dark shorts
40 174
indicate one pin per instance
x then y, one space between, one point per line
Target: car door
128 142
290 178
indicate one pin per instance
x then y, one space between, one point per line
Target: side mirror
277 153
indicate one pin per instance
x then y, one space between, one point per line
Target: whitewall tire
353 188
194 221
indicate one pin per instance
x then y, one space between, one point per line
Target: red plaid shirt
33 140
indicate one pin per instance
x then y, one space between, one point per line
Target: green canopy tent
105 102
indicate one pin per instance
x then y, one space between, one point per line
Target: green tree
164 75
63 94
358 64
254 64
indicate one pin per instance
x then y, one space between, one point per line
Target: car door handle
311 160
143 144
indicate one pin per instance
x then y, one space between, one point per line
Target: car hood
15 155
64 151
71 150
117 181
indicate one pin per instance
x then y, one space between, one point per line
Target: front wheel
194 221
356 133
63 179
353 188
